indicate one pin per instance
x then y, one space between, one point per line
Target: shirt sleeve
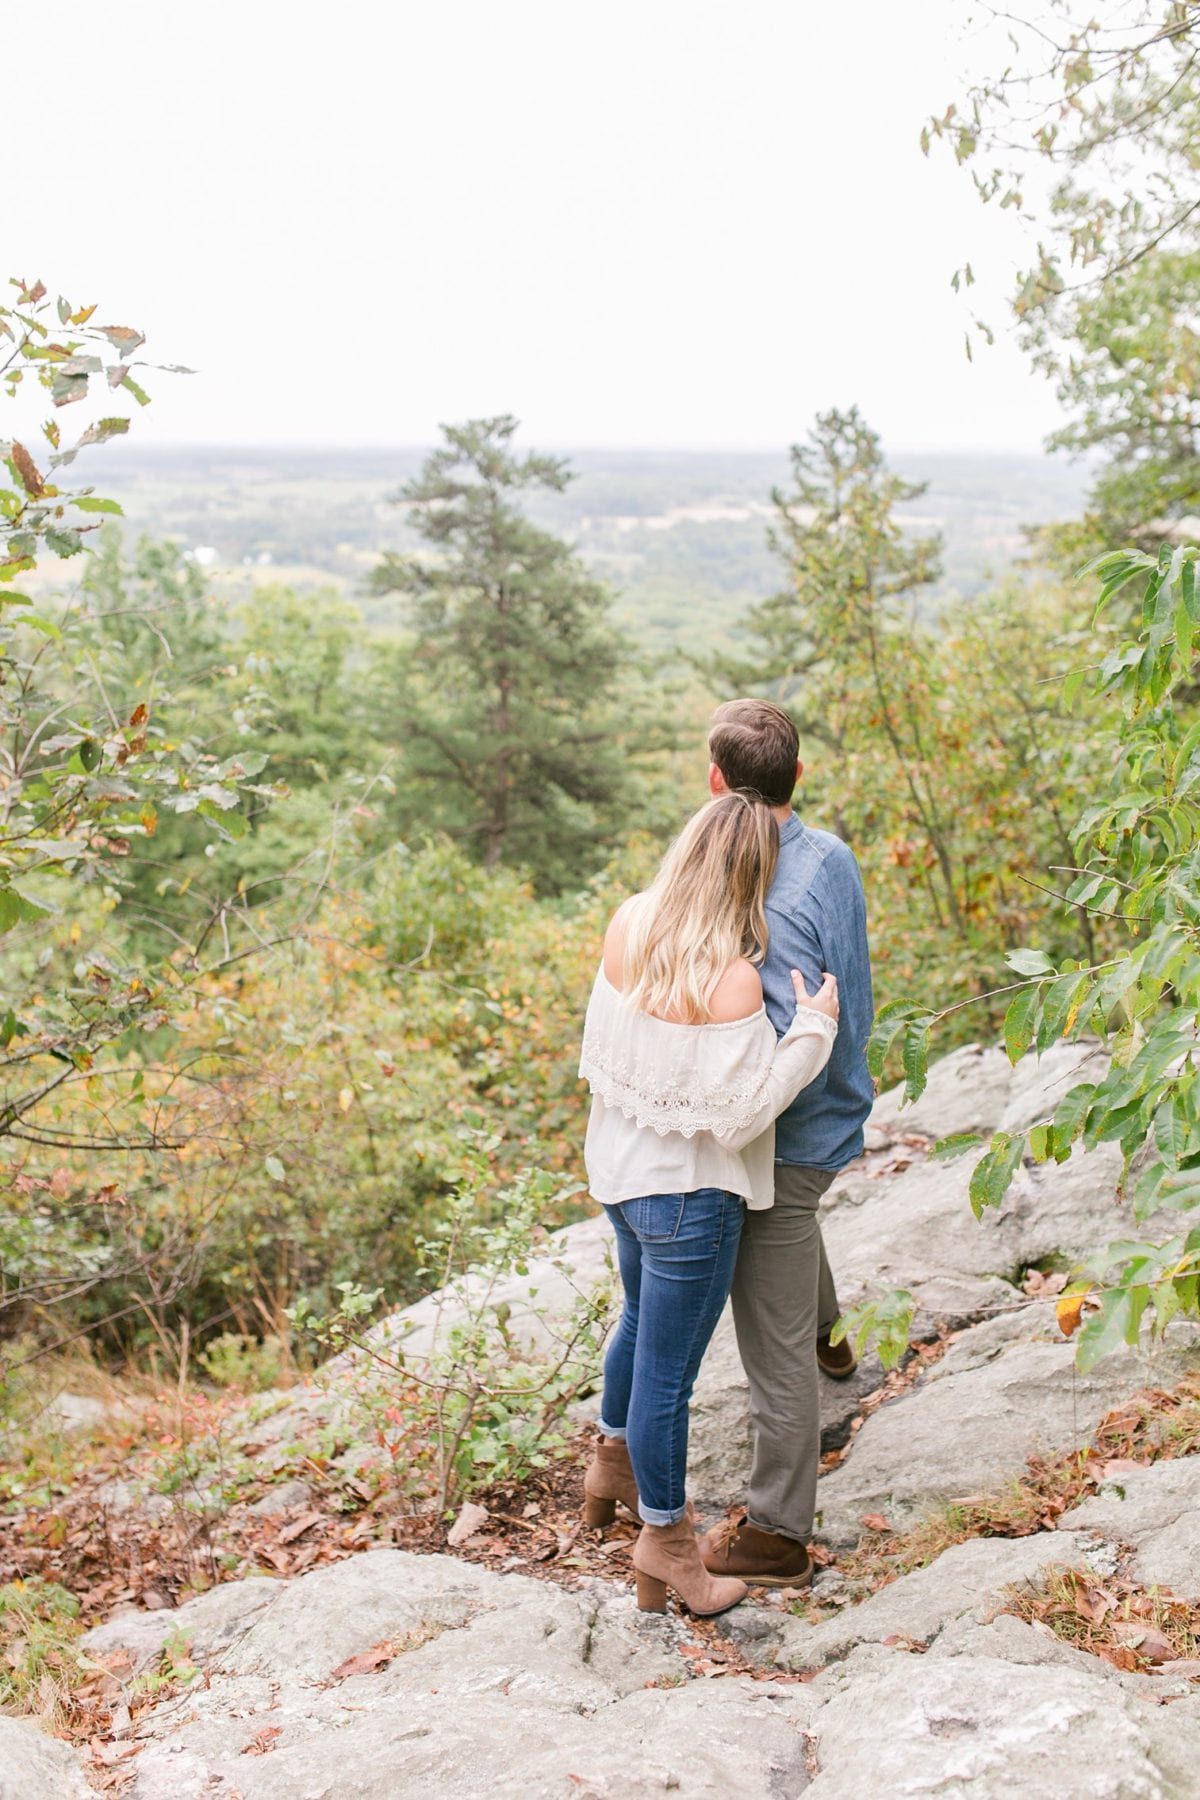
800 1056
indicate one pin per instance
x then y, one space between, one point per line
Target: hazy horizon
685 227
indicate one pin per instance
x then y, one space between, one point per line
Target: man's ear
716 781
799 771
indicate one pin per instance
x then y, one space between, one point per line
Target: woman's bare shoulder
614 942
738 994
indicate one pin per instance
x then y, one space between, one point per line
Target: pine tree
511 686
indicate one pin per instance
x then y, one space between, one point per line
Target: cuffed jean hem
612 1431
650 1515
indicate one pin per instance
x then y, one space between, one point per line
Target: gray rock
211 1622
976 1089
1156 1509
981 1728
576 1260
970 1427
918 1228
966 1091
36 1766
966 1580
496 1684
75 1412
282 1499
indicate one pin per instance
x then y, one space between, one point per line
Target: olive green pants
783 1297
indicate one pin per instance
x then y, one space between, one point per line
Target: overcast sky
641 222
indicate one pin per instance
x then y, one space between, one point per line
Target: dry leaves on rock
1126 1625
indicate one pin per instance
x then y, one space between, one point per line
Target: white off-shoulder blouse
681 1107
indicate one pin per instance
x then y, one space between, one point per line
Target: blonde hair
705 908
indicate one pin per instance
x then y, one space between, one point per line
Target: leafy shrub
487 1400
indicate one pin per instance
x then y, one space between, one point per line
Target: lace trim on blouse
670 1077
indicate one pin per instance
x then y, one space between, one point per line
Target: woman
687 1079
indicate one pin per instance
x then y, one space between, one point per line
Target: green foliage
932 754
250 1364
1107 107
885 1322
39 1623
486 1399
1136 855
518 695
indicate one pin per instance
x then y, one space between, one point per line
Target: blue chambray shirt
817 916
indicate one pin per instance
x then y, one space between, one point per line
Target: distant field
679 535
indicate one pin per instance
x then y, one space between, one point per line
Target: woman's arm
800 1055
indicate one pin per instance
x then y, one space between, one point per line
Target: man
784 1300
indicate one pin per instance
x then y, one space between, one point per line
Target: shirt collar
792 826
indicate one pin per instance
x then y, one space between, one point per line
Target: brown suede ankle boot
668 1557
763 1558
609 1478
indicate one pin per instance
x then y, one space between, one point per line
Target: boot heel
598 1512
651 1593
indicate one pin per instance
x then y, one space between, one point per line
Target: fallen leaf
108 1754
299 1526
366 1662
1147 1640
471 1519
874 1522
263 1740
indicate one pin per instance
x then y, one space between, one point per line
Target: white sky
631 222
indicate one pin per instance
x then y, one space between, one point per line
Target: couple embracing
725 1048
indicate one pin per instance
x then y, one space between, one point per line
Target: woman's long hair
704 909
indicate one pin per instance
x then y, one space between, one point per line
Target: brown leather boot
609 1478
762 1558
837 1360
668 1557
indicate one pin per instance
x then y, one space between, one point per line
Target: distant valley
680 536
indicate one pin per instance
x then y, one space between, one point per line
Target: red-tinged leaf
263 1741
366 1662
123 338
27 469
874 1522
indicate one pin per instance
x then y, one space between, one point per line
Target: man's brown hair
755 745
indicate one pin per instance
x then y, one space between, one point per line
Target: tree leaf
1019 1022
956 1145
91 503
994 1171
1029 962
915 1059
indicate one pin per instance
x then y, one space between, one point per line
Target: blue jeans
676 1254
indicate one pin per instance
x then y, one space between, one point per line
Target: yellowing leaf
346 1099
1068 1310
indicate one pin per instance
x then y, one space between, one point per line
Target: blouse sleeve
800 1055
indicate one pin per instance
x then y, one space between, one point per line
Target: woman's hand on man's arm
825 1000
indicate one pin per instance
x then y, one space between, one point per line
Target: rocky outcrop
1157 1511
35 1766
392 1673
